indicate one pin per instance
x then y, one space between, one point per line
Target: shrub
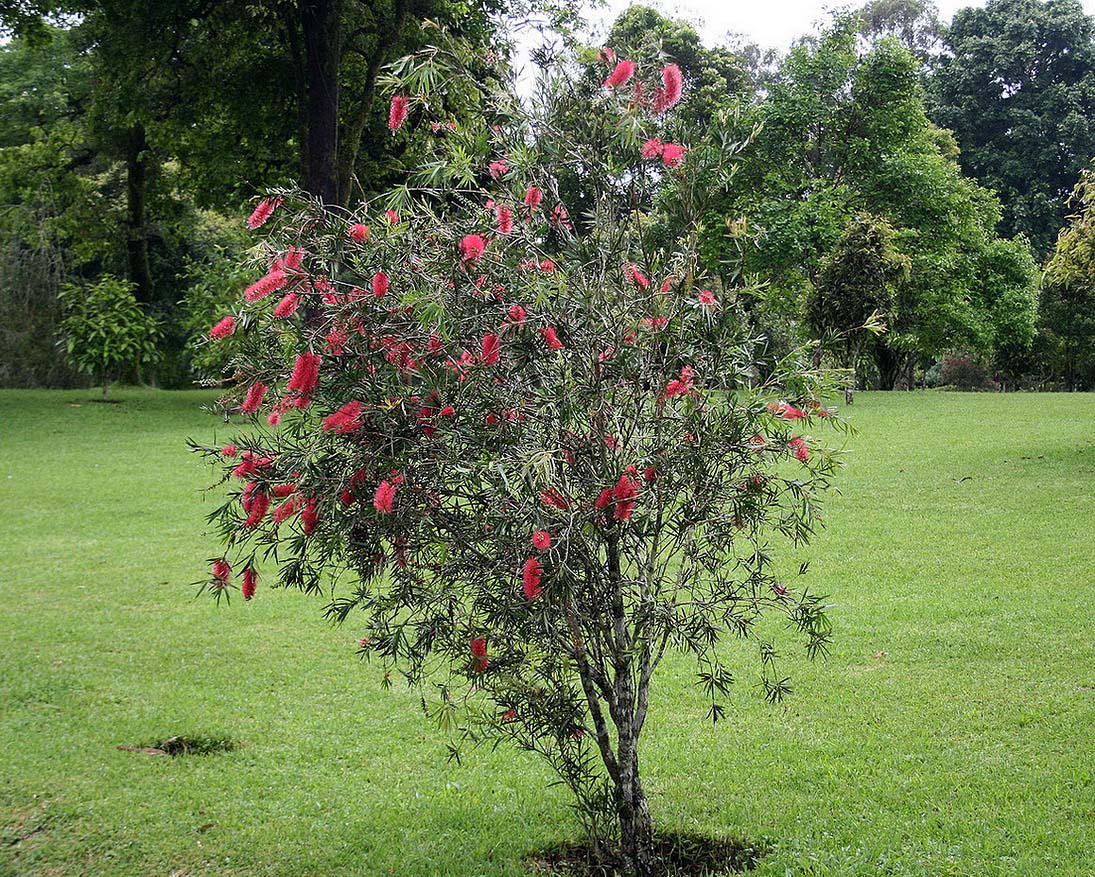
966 372
528 450
104 330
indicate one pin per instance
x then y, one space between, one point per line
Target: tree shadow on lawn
451 839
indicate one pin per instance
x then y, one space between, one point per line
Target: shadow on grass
675 855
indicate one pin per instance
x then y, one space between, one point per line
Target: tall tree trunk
889 365
349 146
321 27
136 167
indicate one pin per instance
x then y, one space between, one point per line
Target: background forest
931 177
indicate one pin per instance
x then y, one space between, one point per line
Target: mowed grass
950 732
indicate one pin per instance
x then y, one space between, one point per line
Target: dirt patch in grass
675 855
201 744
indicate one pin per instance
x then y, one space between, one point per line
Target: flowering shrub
530 449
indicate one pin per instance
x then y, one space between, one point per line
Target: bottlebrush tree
528 452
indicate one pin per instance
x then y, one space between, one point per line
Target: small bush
105 332
965 372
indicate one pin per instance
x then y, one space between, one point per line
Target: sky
769 23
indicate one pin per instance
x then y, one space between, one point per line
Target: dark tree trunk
889 365
321 29
136 167
636 826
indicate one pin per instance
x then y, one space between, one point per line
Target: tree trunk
889 365
136 166
636 826
321 27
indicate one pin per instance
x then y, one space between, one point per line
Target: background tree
913 23
1068 295
1017 87
525 442
856 284
845 132
105 332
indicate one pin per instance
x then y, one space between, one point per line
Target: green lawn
950 732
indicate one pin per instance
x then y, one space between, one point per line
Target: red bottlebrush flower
309 516
392 217
668 282
253 399
222 572
287 509
533 197
397 114
305 374
505 219
479 653
652 148
637 277
610 442
250 579
472 246
385 495
624 493
259 504
547 266
672 88
517 315
380 283
262 212
224 328
447 411
620 74
786 411
542 539
683 385
229 450
292 258
649 474
262 287
673 155
509 715
799 448
551 338
359 232
551 497
491 419
498 169
282 490
287 306
336 341
605 55
491 349
559 216
344 421
530 577
604 499
707 300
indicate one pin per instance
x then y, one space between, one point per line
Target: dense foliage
843 132
1068 297
1017 88
527 449
130 130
